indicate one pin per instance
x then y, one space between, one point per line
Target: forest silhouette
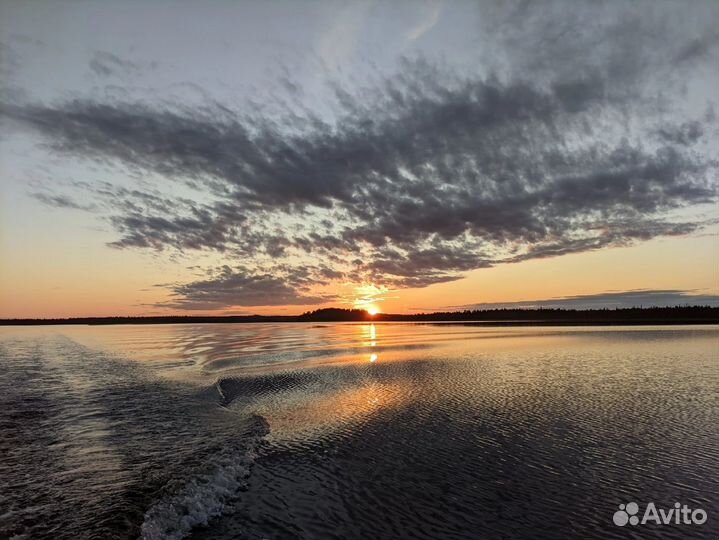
529 317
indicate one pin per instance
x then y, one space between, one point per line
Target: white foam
201 498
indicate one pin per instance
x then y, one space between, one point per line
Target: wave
230 388
207 494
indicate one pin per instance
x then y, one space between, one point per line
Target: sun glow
367 297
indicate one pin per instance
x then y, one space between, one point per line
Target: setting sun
372 310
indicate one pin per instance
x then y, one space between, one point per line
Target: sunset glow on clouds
457 164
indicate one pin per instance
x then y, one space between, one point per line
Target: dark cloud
632 44
687 133
611 300
699 48
569 147
438 263
244 287
61 201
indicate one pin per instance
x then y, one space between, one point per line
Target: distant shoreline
682 315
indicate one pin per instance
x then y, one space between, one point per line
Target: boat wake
208 493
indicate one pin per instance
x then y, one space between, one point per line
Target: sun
372 310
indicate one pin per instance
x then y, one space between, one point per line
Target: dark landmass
499 317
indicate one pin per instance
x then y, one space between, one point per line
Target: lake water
355 431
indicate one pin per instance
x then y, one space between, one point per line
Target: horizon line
362 315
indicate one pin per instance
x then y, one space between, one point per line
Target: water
355 431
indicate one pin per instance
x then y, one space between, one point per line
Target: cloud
611 300
105 64
568 147
61 201
698 48
426 266
244 287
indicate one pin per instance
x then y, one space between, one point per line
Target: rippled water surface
355 431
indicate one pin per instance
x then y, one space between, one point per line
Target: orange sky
73 275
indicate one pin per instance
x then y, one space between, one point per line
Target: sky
276 157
